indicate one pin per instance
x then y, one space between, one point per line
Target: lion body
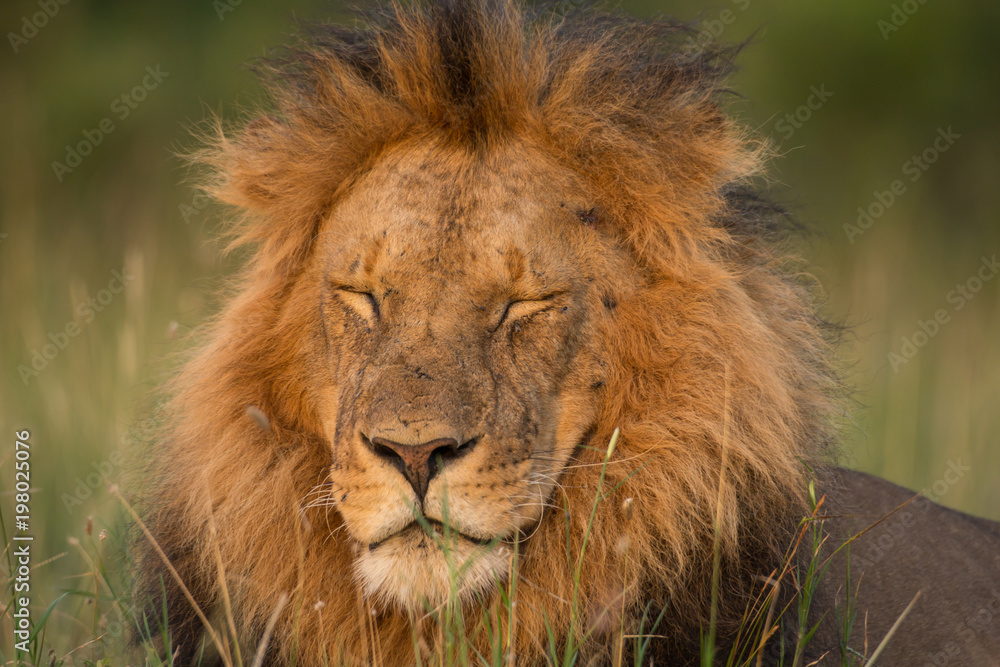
905 544
512 236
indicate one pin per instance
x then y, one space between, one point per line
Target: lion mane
716 372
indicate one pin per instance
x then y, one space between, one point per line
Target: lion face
456 359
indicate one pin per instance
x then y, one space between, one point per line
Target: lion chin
416 571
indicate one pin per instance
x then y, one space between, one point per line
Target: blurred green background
850 91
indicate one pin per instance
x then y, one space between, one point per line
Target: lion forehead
473 207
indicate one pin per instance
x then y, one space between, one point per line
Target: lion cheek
369 518
411 572
484 514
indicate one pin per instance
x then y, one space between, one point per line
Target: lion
519 342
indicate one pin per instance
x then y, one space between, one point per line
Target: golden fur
450 160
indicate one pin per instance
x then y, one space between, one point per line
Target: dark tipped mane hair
478 72
634 108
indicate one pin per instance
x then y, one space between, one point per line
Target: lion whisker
589 465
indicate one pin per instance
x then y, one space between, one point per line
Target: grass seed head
258 417
627 509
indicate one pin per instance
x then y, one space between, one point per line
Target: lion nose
420 463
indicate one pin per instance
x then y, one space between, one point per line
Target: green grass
104 610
